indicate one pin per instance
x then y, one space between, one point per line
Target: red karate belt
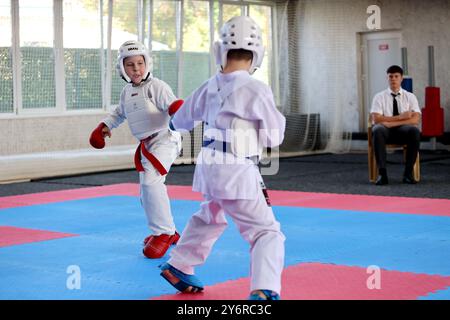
150 157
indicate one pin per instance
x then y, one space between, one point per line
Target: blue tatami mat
110 230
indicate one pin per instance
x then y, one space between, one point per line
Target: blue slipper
181 281
269 295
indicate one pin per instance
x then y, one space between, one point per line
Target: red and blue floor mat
331 240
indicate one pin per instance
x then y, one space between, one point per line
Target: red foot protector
10 236
316 281
156 246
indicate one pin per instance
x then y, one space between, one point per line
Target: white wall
48 146
34 147
328 66
31 134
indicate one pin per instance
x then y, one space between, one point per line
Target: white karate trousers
166 147
257 225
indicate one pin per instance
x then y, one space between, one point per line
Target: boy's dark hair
395 69
239 54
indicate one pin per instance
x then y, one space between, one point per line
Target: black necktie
395 110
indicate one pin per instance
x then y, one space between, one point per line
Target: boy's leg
258 226
156 203
198 237
154 198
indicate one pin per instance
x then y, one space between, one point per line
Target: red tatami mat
424 206
10 236
130 189
316 281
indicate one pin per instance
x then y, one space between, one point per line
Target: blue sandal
181 281
269 295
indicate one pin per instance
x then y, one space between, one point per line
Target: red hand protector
97 140
173 108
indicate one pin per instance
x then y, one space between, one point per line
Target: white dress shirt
383 102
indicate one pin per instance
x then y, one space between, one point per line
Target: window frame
146 16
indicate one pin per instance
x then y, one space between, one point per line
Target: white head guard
129 49
240 32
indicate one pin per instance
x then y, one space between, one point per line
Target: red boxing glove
97 140
173 108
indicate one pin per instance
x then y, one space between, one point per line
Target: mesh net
38 77
311 94
83 78
82 56
6 81
6 77
36 49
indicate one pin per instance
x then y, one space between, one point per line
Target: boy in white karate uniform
147 103
226 172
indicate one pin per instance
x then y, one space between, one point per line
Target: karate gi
232 187
146 109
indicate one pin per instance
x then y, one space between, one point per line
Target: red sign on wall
383 47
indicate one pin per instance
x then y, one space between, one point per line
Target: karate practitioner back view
240 118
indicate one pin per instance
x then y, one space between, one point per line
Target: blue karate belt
224 147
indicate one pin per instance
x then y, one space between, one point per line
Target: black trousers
407 134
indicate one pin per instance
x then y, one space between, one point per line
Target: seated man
395 114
